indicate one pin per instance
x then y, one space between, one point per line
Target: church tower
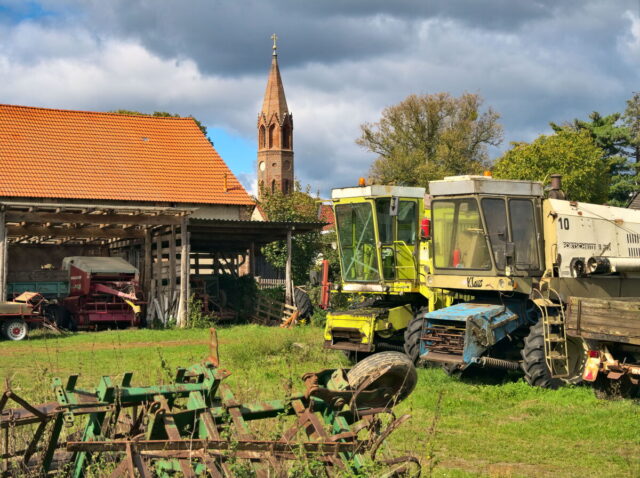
275 135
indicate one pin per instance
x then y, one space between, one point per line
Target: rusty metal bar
261 446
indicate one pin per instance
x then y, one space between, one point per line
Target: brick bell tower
275 135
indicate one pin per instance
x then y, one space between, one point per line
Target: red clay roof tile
50 153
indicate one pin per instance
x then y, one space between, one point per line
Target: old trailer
17 316
610 329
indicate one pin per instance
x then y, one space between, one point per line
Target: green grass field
459 428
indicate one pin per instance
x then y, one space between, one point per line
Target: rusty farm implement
196 427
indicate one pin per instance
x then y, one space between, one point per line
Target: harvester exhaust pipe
491 362
556 191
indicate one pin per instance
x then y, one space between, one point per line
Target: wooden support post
172 265
3 257
252 259
287 272
147 266
183 308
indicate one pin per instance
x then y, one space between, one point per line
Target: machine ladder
556 352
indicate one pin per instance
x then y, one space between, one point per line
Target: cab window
407 222
458 235
357 242
385 220
523 230
495 216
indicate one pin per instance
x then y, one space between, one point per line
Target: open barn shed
77 183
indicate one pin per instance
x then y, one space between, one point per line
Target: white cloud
629 43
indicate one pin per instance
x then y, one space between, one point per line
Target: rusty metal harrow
195 427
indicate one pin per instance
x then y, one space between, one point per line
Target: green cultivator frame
195 427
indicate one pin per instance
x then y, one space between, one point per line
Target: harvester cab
518 257
380 233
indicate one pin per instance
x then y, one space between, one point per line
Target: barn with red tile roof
76 183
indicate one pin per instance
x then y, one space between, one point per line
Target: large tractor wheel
303 303
15 329
536 371
391 370
412 336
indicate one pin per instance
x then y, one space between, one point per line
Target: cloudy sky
342 62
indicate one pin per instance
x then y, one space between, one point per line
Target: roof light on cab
361 182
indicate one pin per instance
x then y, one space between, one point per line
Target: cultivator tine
212 432
243 431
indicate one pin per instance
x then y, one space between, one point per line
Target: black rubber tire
401 377
62 317
15 329
303 303
534 365
412 336
622 388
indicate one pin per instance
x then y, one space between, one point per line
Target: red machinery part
101 297
326 285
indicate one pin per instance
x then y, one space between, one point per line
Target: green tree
427 137
574 154
631 120
297 206
614 138
164 114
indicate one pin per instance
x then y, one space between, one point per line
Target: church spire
275 135
274 99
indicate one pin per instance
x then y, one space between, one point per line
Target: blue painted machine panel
466 331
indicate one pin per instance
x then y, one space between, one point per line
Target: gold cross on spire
274 37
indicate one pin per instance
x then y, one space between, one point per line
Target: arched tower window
272 136
286 136
285 187
262 137
273 185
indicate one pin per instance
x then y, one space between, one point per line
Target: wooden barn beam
75 218
77 233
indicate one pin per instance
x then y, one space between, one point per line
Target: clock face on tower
262 166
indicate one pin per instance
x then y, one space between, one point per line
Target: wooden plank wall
159 257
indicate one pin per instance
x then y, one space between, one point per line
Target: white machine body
589 239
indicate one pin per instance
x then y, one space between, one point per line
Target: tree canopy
574 154
297 206
614 138
426 137
631 120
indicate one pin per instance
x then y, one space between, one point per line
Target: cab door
406 238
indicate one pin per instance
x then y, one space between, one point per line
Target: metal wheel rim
16 330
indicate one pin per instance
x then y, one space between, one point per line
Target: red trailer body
102 291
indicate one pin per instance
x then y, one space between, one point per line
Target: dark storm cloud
342 62
230 37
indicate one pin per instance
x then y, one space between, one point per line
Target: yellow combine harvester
382 233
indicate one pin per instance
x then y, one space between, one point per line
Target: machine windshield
523 230
357 242
495 216
458 235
